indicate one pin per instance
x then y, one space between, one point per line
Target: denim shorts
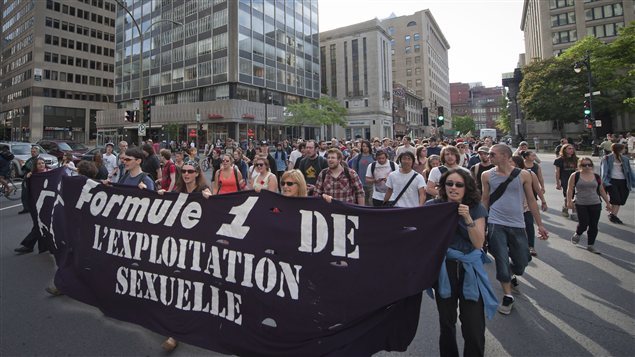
505 243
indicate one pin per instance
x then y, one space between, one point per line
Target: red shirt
168 168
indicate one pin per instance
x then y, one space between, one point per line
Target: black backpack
393 167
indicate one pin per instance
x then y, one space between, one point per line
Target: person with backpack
504 188
134 176
338 181
377 175
228 178
584 191
311 165
450 158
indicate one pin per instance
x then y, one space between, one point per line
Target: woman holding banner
28 243
191 180
228 179
463 280
293 184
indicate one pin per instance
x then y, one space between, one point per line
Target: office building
216 69
550 27
355 69
408 113
482 104
420 60
57 68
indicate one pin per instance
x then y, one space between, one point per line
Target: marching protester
584 191
68 164
503 189
311 165
296 155
293 184
377 175
421 155
432 162
134 176
192 155
464 157
523 147
263 177
264 150
408 185
191 180
530 161
102 172
618 178
338 181
110 161
35 236
566 164
463 281
450 158
406 146
360 164
178 159
168 176
151 164
483 165
228 178
281 159
240 161
29 165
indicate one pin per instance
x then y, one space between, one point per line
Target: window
416 36
408 72
407 39
414 23
556 4
407 49
417 48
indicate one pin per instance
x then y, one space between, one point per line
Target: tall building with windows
57 68
355 69
420 60
214 68
482 104
550 27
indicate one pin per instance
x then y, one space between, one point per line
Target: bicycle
10 190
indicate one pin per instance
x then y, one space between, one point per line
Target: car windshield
64 147
77 146
21 149
39 149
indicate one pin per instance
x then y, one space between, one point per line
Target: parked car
59 147
90 155
22 152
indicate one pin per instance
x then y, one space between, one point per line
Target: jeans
588 217
505 243
472 317
529 228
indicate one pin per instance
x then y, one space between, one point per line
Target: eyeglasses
260 164
188 171
226 161
587 165
454 184
126 159
287 183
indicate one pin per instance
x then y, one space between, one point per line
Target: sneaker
505 307
574 217
592 250
565 212
532 251
613 218
514 281
575 239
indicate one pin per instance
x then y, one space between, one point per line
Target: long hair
98 159
472 194
201 181
35 170
563 151
298 177
453 150
617 151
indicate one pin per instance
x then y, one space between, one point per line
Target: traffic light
426 120
440 117
130 116
587 109
147 105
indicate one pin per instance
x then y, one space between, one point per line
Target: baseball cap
484 149
111 144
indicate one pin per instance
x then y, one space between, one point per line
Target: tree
322 111
504 123
463 124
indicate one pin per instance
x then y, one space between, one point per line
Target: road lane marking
14 206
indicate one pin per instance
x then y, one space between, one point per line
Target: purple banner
247 273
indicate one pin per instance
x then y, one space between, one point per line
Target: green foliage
463 124
171 130
551 90
323 111
504 123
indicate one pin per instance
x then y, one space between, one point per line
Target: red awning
215 116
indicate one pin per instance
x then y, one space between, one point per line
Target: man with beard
339 182
484 165
311 165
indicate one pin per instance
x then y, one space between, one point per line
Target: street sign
135 105
198 117
597 92
598 123
141 130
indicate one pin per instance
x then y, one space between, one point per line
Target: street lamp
577 68
269 98
141 48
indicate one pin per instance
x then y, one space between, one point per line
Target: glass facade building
218 50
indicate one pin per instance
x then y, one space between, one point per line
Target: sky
484 35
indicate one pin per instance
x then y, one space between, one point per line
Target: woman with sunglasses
263 178
293 184
228 178
463 280
191 180
584 191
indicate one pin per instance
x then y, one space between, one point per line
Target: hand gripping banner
246 273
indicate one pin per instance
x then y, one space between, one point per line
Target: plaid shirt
340 188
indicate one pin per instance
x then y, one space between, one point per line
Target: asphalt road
571 302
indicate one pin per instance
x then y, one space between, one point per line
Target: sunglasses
454 184
188 171
287 183
260 165
587 165
226 161
126 159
